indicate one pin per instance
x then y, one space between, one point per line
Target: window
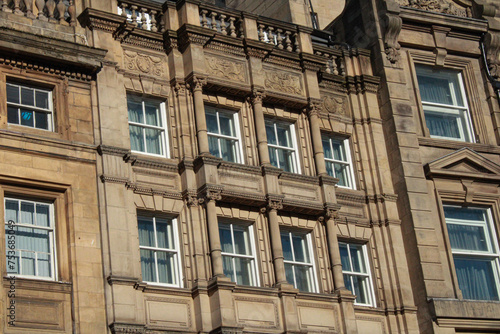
445 104
147 126
281 144
475 251
338 160
299 264
238 253
159 247
29 238
223 134
357 277
29 106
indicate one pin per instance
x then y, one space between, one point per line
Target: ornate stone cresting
394 24
144 63
439 6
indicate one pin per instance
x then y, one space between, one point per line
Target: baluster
288 42
223 28
278 39
61 9
51 6
29 9
134 14
163 22
152 16
144 20
270 36
204 21
296 43
232 28
5 6
334 65
40 5
262 35
124 9
17 11
342 67
72 13
213 15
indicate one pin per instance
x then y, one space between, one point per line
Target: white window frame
367 275
455 109
177 269
493 252
253 257
52 240
348 162
239 145
49 111
164 140
312 264
293 149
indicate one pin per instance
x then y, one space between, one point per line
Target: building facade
186 167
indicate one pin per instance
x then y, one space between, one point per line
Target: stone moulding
450 7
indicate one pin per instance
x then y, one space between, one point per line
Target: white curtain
475 279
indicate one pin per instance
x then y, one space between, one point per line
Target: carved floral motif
225 68
144 63
334 104
439 6
283 82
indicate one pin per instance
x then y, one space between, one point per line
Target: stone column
260 126
319 156
274 230
199 109
210 197
333 248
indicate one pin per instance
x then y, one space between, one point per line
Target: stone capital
257 96
274 202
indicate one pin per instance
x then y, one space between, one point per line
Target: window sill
38 284
448 311
453 144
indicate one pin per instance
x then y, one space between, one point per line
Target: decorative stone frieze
334 104
226 68
283 82
450 7
142 62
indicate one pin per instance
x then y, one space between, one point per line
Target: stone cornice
190 34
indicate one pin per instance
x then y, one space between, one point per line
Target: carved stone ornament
334 105
143 63
197 83
394 24
257 96
492 44
224 68
283 82
438 6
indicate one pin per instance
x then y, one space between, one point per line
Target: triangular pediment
464 163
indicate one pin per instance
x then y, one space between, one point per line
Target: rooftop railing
56 11
223 21
145 16
283 37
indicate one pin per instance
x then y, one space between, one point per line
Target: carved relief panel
226 68
283 81
143 63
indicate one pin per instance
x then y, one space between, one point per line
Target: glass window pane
27 117
286 160
11 210
152 114
146 232
327 149
135 111
27 213
227 265
241 240
164 234
12 115
228 150
27 96
212 122
225 238
272 156
287 247
303 277
360 286
148 265
341 174
166 265
289 273
445 125
284 137
42 99
271 137
226 125
153 141
36 240
213 146
358 261
300 248
433 89
329 168
467 237
243 268
465 214
12 93
476 278
44 265
136 138
344 257
348 283
28 263
41 120
338 151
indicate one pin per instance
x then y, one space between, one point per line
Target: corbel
440 34
492 46
391 45
469 191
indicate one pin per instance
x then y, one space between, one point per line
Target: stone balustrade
145 17
282 37
335 64
56 11
222 21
